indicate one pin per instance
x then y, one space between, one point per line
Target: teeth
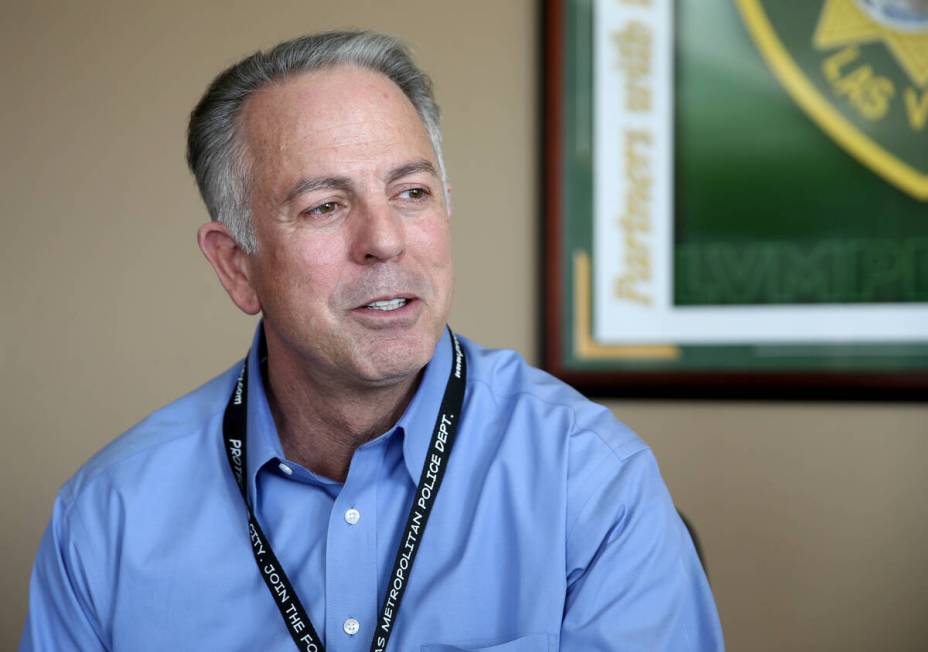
392 304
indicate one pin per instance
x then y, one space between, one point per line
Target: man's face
353 268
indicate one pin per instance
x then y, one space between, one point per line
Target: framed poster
737 197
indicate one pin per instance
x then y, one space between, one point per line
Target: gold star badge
843 22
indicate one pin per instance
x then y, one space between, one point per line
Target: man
365 480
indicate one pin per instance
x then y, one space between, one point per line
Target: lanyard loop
433 471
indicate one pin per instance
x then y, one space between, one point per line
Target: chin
398 361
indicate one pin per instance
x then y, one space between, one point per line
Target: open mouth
388 305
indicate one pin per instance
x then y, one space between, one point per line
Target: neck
321 423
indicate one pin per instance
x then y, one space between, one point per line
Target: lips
385 303
387 306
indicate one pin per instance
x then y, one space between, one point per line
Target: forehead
341 116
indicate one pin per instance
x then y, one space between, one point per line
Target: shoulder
177 431
512 386
591 468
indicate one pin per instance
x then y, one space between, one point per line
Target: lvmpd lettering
442 437
256 541
235 454
239 387
276 583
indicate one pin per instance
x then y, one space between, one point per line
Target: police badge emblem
859 69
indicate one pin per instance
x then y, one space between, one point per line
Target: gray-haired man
309 496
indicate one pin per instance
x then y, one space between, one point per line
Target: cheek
299 277
435 245
434 240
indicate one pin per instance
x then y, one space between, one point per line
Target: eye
415 194
326 208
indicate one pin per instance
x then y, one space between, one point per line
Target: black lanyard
433 471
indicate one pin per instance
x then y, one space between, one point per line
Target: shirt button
286 469
352 516
351 626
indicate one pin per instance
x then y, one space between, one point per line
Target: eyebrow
317 183
421 165
312 184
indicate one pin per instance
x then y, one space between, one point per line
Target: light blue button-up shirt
553 530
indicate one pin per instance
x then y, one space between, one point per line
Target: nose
379 234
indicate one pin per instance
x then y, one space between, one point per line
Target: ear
448 198
231 264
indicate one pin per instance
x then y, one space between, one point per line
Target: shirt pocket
531 643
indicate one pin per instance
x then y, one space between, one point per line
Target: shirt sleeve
60 613
634 579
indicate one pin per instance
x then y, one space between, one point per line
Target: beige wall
813 516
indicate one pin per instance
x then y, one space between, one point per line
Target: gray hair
216 152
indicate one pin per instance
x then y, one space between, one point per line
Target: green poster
743 188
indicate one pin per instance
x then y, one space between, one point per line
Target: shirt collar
418 420
263 440
415 425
